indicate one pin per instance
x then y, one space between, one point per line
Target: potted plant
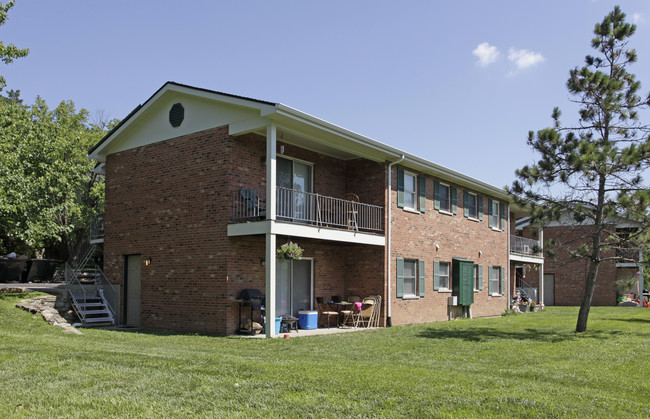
289 250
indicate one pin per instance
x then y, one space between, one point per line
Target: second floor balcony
295 206
523 246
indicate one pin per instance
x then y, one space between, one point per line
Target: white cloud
524 58
486 53
638 18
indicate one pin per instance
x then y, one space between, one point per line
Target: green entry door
463 281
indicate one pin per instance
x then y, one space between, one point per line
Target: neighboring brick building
202 188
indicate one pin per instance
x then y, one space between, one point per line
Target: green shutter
423 192
436 275
489 212
504 216
454 200
479 199
503 281
400 278
490 286
480 277
421 267
436 194
465 199
400 187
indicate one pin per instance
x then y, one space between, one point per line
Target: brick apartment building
562 281
202 187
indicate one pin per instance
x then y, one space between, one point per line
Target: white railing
107 290
308 208
524 246
77 292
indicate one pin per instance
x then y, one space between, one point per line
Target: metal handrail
73 284
111 297
296 206
525 246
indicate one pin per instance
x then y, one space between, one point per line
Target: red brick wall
415 235
169 201
570 274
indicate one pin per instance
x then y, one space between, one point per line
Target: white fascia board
306 231
390 153
526 259
249 125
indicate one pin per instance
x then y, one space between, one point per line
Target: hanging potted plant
289 250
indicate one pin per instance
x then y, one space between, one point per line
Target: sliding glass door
294 287
294 179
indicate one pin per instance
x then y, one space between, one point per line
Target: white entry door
294 287
549 289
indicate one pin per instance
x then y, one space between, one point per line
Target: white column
541 268
641 284
271 145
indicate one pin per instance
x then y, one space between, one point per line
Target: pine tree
593 171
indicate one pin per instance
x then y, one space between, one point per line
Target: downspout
508 299
389 321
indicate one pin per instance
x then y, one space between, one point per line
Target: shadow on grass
18 295
483 334
643 321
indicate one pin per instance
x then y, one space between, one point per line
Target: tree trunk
590 285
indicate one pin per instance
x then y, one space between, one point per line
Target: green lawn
530 365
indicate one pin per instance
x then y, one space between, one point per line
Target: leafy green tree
593 171
48 191
8 52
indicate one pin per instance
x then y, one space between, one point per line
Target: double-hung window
496 280
478 277
495 214
410 190
445 197
410 278
441 276
471 206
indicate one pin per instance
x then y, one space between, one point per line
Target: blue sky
458 83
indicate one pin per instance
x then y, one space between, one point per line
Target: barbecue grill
254 300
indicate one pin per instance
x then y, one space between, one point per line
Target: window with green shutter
504 216
502 291
479 198
436 195
454 200
478 277
400 187
410 278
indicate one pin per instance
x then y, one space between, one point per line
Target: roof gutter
389 321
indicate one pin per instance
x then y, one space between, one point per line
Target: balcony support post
271 198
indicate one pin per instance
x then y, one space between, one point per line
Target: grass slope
529 365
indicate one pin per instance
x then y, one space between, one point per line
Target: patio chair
253 207
376 312
365 315
325 311
352 210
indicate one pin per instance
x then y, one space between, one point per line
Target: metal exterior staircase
90 294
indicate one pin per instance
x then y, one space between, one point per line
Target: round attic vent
176 115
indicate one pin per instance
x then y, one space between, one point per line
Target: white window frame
414 278
495 275
408 192
447 196
469 213
448 276
496 215
476 278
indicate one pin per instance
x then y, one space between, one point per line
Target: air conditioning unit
452 301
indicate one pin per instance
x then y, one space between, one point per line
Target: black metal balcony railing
524 246
308 208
